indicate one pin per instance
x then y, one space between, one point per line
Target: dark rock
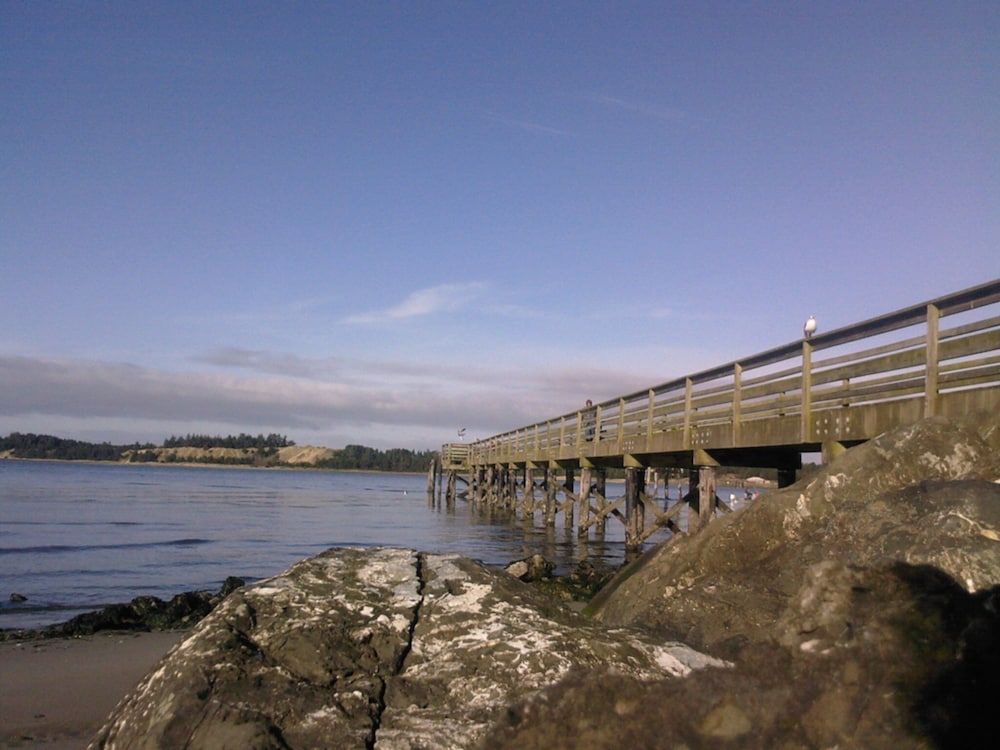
230 585
144 613
589 577
373 648
534 568
18 598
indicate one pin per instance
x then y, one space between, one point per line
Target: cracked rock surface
383 648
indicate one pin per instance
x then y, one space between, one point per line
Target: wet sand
55 694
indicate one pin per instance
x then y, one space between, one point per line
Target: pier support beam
569 485
706 495
550 497
528 501
786 477
601 488
583 515
702 502
635 516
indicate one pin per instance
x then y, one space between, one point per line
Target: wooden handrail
800 384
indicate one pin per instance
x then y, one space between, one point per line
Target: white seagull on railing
810 327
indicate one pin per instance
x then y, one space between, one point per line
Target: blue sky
375 223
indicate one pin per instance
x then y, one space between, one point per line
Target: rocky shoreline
184 610
142 614
857 608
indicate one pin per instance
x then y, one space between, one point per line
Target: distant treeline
359 457
29 445
241 441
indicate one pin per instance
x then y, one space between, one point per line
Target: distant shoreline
205 465
722 480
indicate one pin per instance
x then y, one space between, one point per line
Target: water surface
75 537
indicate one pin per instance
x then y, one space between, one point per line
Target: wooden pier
815 395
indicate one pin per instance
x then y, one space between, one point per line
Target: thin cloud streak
667 114
525 125
441 298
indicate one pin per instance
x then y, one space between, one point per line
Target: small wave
60 548
20 608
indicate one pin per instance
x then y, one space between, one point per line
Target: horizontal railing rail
840 385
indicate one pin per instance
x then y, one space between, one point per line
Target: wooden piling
706 495
570 488
601 488
550 497
633 501
584 513
528 502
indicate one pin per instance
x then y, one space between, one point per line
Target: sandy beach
55 694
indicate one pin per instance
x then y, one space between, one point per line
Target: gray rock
378 648
898 657
924 494
860 608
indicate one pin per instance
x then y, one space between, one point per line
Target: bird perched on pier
810 327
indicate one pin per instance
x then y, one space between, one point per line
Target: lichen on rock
380 648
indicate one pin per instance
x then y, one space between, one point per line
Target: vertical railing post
621 425
737 403
649 416
688 385
806 391
931 374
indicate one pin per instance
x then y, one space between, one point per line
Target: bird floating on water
810 327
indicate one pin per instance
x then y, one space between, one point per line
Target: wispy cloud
442 298
525 125
354 400
668 114
268 362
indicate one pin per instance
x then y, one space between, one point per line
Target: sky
381 222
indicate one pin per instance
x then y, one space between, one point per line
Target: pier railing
845 386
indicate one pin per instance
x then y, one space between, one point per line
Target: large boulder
859 608
373 649
894 657
926 494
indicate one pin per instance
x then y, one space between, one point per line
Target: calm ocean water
75 537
